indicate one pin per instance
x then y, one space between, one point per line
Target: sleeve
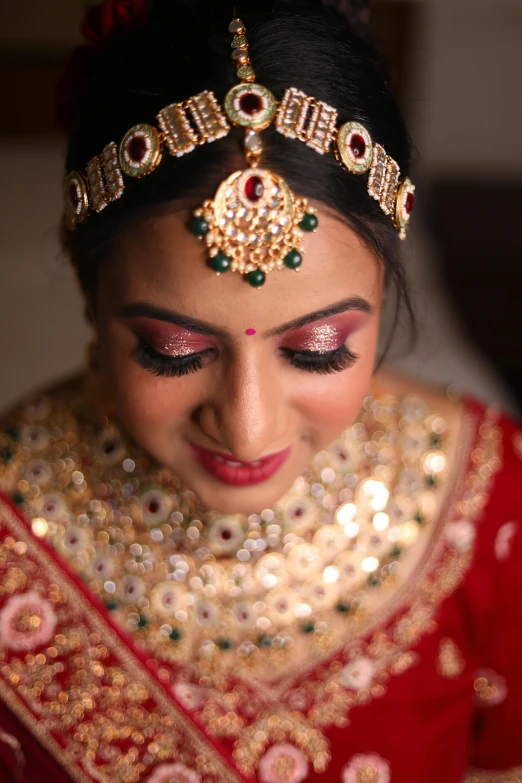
497 735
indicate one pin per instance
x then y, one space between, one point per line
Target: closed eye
321 362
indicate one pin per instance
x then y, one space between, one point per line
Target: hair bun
100 25
356 12
106 21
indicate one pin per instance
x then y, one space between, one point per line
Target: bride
233 550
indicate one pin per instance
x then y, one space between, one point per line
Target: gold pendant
255 224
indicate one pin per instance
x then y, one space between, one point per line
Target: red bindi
250 331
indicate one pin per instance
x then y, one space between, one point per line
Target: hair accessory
140 150
255 223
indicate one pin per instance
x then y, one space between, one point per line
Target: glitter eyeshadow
176 345
323 338
170 339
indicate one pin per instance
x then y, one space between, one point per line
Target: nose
245 412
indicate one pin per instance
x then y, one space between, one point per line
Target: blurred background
457 68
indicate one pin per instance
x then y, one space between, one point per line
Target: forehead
161 262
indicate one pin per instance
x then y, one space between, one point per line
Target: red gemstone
250 103
137 149
254 188
409 203
73 195
357 145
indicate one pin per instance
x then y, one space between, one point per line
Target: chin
225 499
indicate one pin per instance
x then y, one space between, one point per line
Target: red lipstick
237 472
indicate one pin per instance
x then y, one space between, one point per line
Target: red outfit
450 703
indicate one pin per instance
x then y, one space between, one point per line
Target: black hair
183 49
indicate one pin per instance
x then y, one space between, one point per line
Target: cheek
331 402
151 408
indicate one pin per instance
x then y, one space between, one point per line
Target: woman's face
234 388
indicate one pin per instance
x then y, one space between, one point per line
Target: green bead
431 481
12 432
265 641
342 608
308 627
419 518
309 222
199 226
396 551
18 498
220 263
175 636
373 581
111 605
6 454
435 440
293 259
142 622
256 278
224 644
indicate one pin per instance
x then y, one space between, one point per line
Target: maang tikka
255 223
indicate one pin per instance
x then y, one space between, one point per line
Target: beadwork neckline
242 584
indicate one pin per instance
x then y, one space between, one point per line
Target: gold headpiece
255 223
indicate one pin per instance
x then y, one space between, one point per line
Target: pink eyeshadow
323 336
170 339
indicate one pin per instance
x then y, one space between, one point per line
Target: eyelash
322 363
309 361
168 366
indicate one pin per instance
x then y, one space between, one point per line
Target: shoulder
486 453
27 431
500 529
437 401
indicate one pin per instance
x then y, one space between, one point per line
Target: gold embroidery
490 688
87 699
517 444
450 662
485 776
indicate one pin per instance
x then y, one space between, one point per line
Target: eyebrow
145 310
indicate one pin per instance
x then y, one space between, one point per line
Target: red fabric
100 25
426 727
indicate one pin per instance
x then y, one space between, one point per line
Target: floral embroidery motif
461 534
189 696
174 773
490 688
450 663
364 768
283 763
359 673
27 621
504 540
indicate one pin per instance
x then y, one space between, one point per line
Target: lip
236 472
